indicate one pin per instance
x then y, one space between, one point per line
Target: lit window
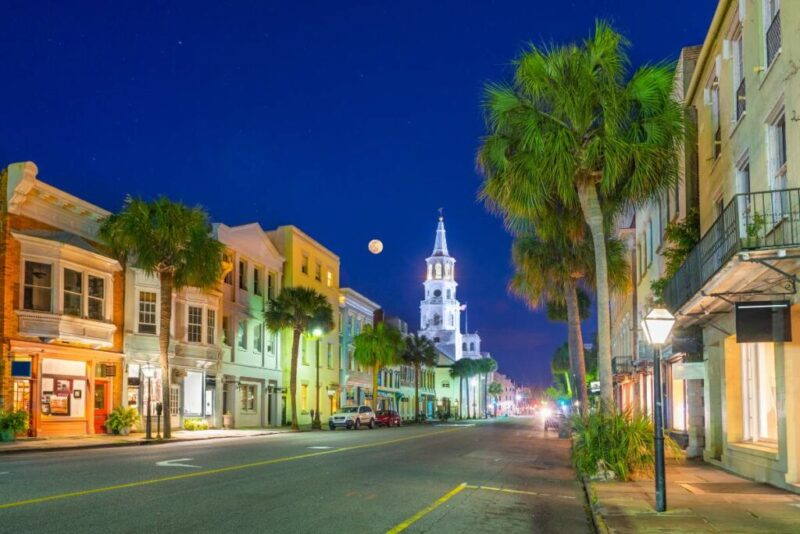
241 335
759 395
38 286
211 326
147 312
438 271
329 279
304 397
195 330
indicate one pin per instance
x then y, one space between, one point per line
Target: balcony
621 365
750 222
66 328
774 38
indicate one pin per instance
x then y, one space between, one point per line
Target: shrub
195 423
121 418
14 421
620 442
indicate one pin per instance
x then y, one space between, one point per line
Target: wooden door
102 394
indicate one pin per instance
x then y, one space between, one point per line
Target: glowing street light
316 424
148 371
657 326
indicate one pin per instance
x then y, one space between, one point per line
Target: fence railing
750 221
774 38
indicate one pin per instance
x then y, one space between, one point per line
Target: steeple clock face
437 293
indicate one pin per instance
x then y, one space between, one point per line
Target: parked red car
388 418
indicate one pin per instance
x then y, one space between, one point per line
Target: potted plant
12 423
227 420
121 419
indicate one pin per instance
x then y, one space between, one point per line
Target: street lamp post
316 424
657 326
148 371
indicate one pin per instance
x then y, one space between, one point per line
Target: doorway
101 405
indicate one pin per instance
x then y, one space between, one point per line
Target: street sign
594 386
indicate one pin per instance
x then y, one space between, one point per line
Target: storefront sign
21 368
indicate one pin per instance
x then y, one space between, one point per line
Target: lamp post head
657 326
148 370
317 332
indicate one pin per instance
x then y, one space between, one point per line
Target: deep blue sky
352 120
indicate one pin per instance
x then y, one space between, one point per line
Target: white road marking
321 447
173 463
4 473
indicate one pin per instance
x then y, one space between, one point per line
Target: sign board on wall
688 371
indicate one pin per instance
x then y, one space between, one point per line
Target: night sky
352 120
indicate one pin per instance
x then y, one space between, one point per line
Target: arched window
448 293
452 320
430 271
464 346
447 270
436 340
438 271
472 347
437 319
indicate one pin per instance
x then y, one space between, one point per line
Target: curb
598 523
141 442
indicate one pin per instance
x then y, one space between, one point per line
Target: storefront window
248 393
678 404
193 387
63 388
759 406
22 395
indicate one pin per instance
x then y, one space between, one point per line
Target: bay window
73 292
96 298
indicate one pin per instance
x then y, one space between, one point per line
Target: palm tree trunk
375 370
485 395
575 336
590 204
416 393
163 347
469 414
460 397
293 377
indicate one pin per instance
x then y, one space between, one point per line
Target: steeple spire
440 245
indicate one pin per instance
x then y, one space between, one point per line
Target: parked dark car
388 418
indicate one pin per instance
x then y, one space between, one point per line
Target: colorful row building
78 330
731 390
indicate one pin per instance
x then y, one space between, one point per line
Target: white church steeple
440 311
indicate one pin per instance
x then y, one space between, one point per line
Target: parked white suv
352 417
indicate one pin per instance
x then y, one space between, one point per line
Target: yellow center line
207 472
400 527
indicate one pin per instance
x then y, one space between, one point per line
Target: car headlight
547 412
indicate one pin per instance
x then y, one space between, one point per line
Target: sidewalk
108 440
700 498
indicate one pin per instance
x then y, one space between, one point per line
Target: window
304 265
772 28
737 50
257 281
447 271
241 335
452 320
226 258
777 136
650 247
318 272
243 275
448 293
38 287
195 328
438 271
304 397
73 292
248 392
211 326
96 298
147 312
226 324
678 408
174 400
330 356
716 123
272 342
759 397
437 319
303 351
329 279
271 286
258 338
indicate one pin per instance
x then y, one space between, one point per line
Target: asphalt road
505 476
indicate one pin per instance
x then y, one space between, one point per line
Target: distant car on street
552 418
388 418
352 417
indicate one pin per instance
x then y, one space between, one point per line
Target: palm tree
377 347
302 310
495 390
419 352
485 366
172 241
456 371
575 127
470 370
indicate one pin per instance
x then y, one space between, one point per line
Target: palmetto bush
619 442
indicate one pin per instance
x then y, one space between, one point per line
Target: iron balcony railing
741 100
774 38
621 365
750 221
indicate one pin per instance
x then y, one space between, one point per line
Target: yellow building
310 264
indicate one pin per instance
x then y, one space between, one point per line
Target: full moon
375 246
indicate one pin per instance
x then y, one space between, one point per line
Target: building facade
310 264
251 372
355 312
62 311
